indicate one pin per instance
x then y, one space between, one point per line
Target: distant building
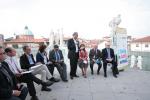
88 43
25 38
141 44
103 41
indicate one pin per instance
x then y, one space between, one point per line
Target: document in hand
36 66
25 72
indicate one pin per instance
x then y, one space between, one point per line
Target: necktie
57 56
108 51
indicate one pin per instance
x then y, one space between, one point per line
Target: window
146 45
137 45
15 46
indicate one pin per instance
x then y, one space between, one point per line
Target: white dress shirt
13 64
30 59
76 44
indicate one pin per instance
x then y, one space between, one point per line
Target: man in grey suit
56 57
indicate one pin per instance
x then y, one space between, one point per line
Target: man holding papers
10 89
26 77
27 62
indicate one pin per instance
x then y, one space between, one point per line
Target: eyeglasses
2 53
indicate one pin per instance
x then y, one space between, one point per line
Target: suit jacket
40 58
92 54
52 56
105 54
24 62
72 48
8 82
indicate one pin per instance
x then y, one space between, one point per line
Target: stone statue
114 23
57 38
61 38
51 39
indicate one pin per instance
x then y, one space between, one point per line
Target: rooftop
143 39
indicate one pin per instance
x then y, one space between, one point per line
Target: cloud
90 17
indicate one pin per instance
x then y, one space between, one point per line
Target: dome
27 31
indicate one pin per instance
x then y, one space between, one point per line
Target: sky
90 18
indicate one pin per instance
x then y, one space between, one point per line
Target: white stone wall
141 47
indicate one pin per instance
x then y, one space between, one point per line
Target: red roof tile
144 39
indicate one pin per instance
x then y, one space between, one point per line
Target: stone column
57 37
61 38
51 39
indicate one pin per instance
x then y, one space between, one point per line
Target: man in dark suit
108 56
28 78
73 54
95 56
56 57
27 62
9 88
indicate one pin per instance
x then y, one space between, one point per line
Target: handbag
98 61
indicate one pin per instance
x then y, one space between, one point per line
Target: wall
141 47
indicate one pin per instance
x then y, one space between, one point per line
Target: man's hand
18 74
62 60
93 60
56 61
38 63
49 62
109 60
16 93
23 70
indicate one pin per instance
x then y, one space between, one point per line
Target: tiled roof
144 39
27 40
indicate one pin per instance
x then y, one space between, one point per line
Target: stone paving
131 84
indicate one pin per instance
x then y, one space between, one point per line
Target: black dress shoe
44 88
71 77
54 79
105 75
34 98
49 83
115 76
65 80
76 76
